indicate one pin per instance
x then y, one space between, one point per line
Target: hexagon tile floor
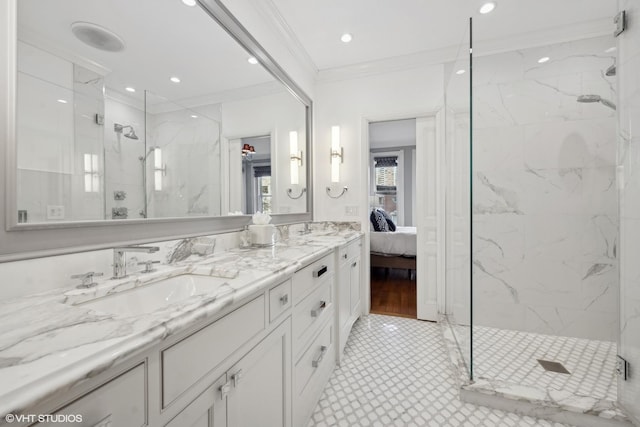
396 372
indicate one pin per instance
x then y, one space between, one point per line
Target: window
91 175
386 184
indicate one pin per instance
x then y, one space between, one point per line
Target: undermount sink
155 295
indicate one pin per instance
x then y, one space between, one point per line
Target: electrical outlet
55 212
351 210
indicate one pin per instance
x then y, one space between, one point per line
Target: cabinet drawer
350 251
279 300
311 374
120 402
311 276
184 363
311 313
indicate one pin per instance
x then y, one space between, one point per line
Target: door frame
438 117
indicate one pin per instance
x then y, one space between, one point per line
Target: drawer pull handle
354 264
284 299
316 311
319 272
224 390
344 256
316 362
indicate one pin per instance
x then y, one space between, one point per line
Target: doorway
405 264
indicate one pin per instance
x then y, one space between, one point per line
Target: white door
429 217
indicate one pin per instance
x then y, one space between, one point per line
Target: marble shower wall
544 196
629 193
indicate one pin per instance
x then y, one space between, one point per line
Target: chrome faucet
120 260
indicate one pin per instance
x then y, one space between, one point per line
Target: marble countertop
48 344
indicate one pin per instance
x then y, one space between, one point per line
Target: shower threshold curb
549 404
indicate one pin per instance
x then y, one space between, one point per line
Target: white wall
544 199
629 193
349 104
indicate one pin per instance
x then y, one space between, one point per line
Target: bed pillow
378 221
392 226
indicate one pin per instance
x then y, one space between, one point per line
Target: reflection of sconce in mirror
337 157
159 170
295 157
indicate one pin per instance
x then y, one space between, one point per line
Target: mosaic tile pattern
508 355
396 372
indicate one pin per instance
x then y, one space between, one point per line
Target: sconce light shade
336 154
296 158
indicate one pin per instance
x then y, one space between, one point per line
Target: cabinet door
354 285
344 290
119 402
207 410
261 383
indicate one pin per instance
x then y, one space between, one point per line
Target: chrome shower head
118 128
131 134
596 98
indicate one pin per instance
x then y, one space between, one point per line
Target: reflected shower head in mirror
596 98
118 128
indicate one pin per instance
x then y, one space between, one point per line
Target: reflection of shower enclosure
532 221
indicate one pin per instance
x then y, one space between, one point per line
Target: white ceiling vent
97 36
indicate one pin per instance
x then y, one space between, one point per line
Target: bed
394 249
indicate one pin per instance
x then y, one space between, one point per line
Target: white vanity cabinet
118 402
255 391
313 335
262 362
348 292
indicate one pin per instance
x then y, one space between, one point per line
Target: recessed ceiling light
543 60
346 38
252 60
129 89
193 116
611 49
460 72
175 79
189 2
62 101
487 7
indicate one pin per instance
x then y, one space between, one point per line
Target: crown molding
271 13
584 30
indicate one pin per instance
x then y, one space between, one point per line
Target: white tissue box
263 235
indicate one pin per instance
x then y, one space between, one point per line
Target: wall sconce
159 170
295 157
337 157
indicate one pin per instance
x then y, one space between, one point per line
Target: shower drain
553 366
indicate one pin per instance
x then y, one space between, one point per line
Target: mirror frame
25 241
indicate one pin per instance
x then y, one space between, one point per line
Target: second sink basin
155 295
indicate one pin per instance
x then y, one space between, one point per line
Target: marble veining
49 341
504 365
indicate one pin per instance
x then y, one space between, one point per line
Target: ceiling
163 38
390 28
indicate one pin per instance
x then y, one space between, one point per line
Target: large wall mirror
148 109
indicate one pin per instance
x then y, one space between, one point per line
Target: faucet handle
87 279
148 266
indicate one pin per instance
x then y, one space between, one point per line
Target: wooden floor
393 294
